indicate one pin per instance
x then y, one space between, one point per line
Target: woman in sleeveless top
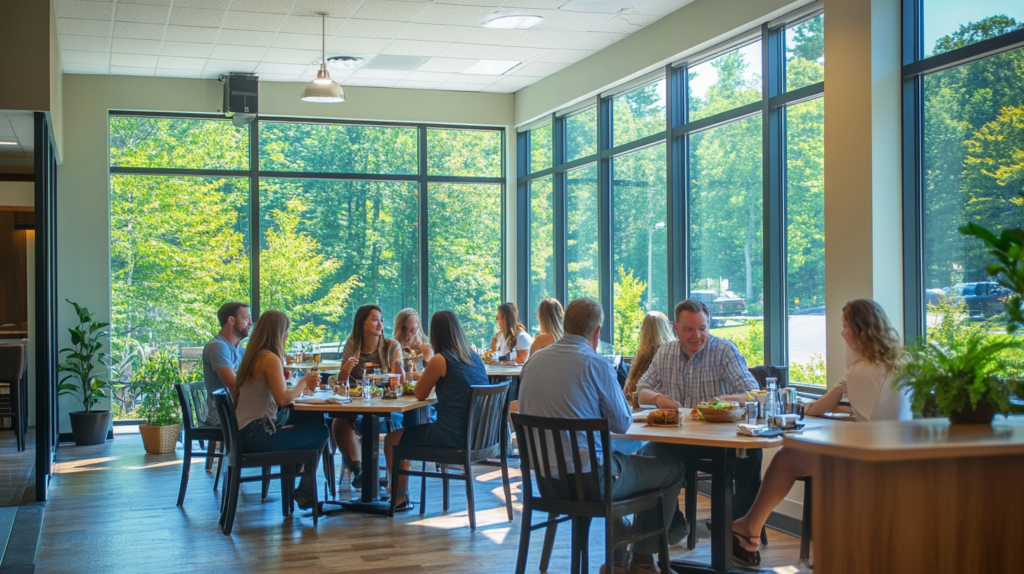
873 354
549 315
261 392
411 339
512 335
366 345
452 371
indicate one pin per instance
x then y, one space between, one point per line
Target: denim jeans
307 431
746 472
632 475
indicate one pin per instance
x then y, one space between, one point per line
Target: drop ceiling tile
446 65
480 35
85 10
139 31
537 69
86 69
84 27
430 32
477 79
180 63
500 89
278 78
453 87
297 24
639 19
178 73
127 46
595 41
543 4
251 21
225 66
618 25
293 70
579 21
517 82
437 77
371 82
200 17
411 85
546 39
451 14
518 54
85 43
659 7
245 38
345 46
285 56
388 10
379 74
186 49
151 2
131 71
191 34
141 13
267 6
76 57
491 3
371 29
336 8
299 41
209 4
564 56
414 48
240 53
469 51
132 60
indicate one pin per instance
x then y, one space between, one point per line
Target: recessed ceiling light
344 62
8 143
511 21
491 67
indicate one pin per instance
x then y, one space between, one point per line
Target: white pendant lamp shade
323 90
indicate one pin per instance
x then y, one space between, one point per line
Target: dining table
726 446
501 371
371 410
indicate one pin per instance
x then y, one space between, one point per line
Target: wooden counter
917 496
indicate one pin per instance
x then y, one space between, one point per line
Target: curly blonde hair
878 341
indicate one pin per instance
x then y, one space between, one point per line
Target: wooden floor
112 509
17 480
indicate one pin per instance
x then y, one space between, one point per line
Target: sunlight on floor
497 535
76 465
452 520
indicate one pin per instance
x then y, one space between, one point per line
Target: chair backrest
12 363
582 483
229 425
488 411
192 397
762 372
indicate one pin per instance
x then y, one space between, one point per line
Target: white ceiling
17 127
280 39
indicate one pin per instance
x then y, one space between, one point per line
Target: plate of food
409 388
718 412
663 418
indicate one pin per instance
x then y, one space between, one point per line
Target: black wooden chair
289 462
486 437
575 493
192 397
805 523
14 403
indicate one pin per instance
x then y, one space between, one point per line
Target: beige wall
17 193
83 248
56 96
25 45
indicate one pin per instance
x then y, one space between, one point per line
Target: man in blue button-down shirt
698 368
570 380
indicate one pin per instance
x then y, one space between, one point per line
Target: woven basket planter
160 440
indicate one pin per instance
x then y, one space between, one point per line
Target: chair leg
229 520
524 541
423 490
186 467
444 488
584 542
764 536
329 477
690 506
311 473
287 483
506 485
469 495
805 526
224 495
609 543
549 542
266 484
663 540
574 567
220 463
393 486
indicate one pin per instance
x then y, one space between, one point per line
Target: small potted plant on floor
86 365
971 379
155 383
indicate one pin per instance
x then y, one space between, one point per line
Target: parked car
984 299
724 306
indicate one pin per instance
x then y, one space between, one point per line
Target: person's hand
311 380
350 364
663 402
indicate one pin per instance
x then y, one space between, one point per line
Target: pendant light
323 90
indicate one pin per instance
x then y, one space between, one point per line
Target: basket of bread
487 356
663 418
718 412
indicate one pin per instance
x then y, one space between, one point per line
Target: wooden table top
502 371
374 405
912 440
703 433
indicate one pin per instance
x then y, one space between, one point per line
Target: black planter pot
90 428
982 415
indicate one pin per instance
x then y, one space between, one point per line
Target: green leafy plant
85 362
629 315
154 381
1008 269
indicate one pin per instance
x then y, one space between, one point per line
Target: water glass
367 392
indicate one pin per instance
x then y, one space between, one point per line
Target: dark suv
984 299
721 307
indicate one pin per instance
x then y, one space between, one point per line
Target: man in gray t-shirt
222 355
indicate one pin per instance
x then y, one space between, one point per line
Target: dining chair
486 437
575 493
289 462
192 398
15 403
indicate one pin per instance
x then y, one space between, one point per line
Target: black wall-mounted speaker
241 94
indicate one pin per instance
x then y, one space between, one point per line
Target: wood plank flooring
112 509
17 481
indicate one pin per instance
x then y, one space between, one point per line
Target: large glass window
950 24
583 248
805 53
726 241
464 153
805 240
177 143
581 134
726 82
638 113
639 256
540 148
338 148
542 252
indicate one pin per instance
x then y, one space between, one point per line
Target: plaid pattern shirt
717 369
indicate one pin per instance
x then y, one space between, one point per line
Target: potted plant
155 383
969 379
86 365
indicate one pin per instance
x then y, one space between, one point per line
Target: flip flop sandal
743 556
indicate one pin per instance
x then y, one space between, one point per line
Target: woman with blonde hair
410 336
873 355
655 331
549 315
261 392
511 335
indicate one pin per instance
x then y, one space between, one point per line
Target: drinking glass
367 394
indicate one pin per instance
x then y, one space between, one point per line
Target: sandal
741 553
406 504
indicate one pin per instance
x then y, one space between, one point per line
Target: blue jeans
635 474
308 431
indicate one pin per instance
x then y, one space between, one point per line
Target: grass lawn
734 331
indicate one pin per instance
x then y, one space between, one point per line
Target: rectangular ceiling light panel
491 67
